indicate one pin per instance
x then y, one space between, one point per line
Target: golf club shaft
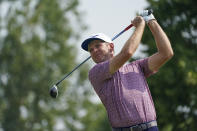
72 71
127 28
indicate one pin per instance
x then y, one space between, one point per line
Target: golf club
54 90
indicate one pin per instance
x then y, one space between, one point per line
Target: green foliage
37 47
35 51
96 118
174 87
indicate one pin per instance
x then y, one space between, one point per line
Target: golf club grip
128 27
116 36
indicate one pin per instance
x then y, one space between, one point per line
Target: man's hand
147 15
138 21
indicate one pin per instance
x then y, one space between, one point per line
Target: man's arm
164 49
130 46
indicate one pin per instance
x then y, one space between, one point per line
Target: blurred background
40 43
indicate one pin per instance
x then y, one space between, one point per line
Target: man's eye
98 45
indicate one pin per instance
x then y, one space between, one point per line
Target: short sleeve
143 64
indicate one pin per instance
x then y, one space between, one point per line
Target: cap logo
94 36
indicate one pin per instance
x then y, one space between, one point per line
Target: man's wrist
151 22
141 25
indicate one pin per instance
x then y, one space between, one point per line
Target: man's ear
111 45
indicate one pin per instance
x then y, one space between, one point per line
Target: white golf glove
147 15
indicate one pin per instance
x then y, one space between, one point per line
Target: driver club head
54 91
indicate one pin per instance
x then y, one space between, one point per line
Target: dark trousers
155 128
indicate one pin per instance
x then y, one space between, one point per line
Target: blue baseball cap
98 36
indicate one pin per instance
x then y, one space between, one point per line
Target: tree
174 86
36 48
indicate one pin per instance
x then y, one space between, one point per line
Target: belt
139 127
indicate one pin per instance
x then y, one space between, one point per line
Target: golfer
122 87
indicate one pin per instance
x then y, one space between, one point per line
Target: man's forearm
162 41
133 42
130 46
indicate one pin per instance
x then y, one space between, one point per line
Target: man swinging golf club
122 87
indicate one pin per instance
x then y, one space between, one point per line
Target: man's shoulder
99 67
99 72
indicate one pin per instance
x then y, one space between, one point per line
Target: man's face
100 51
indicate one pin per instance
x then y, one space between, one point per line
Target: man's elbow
127 54
169 55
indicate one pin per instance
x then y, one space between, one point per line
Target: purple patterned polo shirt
125 94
